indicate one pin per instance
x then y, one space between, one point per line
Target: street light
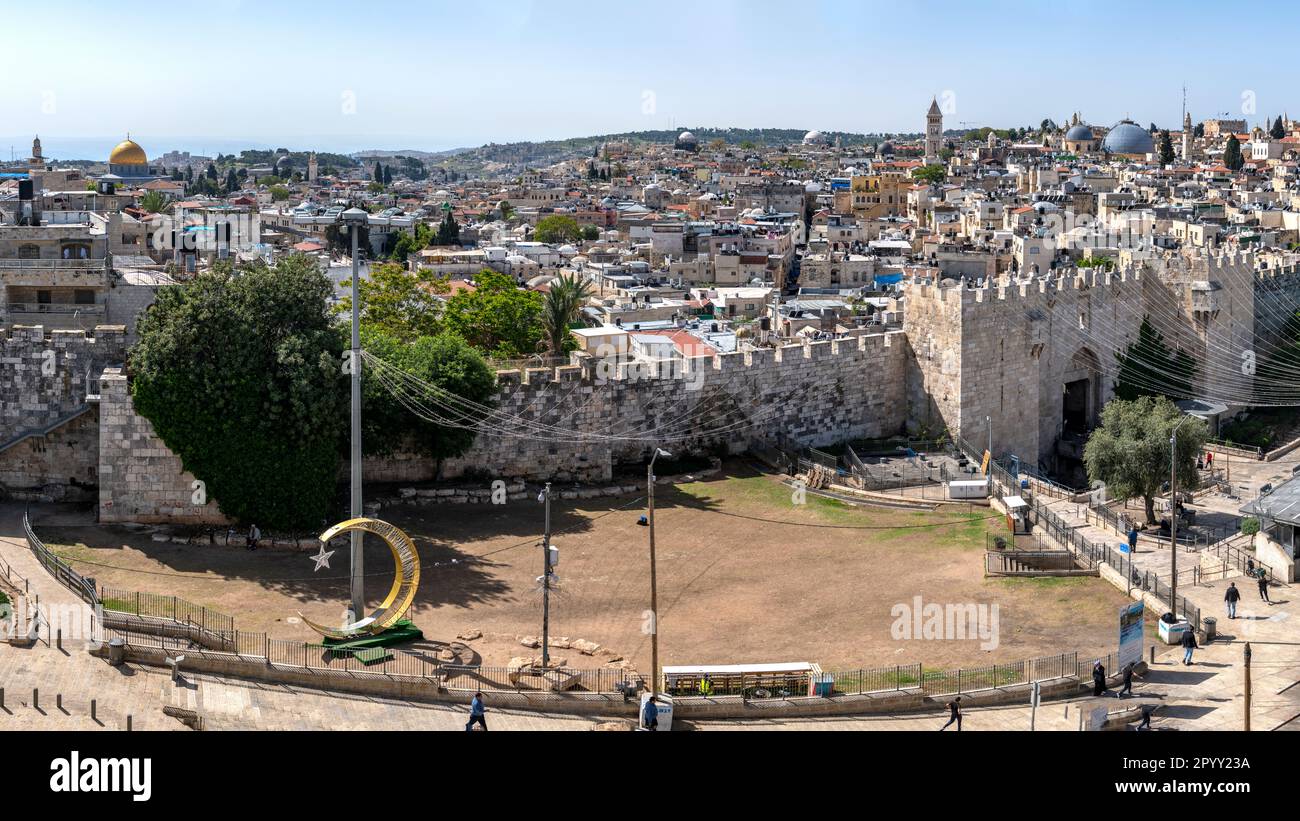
654 580
1173 517
354 219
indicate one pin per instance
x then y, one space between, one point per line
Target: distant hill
498 157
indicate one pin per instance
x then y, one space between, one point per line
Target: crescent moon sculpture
400 595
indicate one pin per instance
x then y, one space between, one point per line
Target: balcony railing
61 264
54 308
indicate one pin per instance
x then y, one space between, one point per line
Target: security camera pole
654 579
355 219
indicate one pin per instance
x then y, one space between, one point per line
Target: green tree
378 174
398 303
1277 132
557 228
932 174
153 202
496 317
507 210
279 193
446 363
448 231
1129 452
1148 367
1166 148
561 308
232 181
590 232
1232 157
240 375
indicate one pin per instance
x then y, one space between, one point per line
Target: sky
432 75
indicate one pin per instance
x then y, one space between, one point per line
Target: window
83 296
29 252
43 298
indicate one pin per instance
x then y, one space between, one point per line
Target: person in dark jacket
1098 678
1133 539
1263 588
1232 595
954 714
1127 689
650 715
1189 644
476 713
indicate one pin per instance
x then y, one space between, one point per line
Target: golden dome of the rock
128 152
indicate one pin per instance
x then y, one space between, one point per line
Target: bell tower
933 132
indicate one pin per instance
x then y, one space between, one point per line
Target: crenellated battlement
37 334
596 370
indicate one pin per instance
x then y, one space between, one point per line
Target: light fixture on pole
654 579
1173 517
354 219
545 498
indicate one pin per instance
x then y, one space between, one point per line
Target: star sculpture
322 558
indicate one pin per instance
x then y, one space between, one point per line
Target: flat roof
1282 504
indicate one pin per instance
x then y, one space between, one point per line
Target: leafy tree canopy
398 303
557 228
239 372
1129 452
1148 367
496 317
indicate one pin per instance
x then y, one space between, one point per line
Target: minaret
933 132
37 159
1187 135
311 167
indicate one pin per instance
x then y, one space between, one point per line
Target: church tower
311 167
933 132
1187 135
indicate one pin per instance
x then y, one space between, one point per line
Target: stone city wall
140 479
48 383
818 393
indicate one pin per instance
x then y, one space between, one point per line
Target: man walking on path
954 710
476 713
1232 595
1127 689
1098 678
1133 539
1189 644
254 536
1263 588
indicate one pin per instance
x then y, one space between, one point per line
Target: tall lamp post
1173 517
354 219
654 579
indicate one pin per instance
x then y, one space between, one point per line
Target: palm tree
563 302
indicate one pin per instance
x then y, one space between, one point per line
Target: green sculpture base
370 649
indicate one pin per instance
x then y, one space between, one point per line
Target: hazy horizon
434 76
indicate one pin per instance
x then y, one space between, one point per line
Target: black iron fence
59 569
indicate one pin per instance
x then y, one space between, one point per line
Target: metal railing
59 569
956 681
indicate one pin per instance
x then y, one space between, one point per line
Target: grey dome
1127 137
1079 133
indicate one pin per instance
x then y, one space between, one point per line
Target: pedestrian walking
1147 710
1232 595
1209 459
954 714
650 715
1189 644
1127 689
476 714
254 536
1263 588
1133 539
1098 678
